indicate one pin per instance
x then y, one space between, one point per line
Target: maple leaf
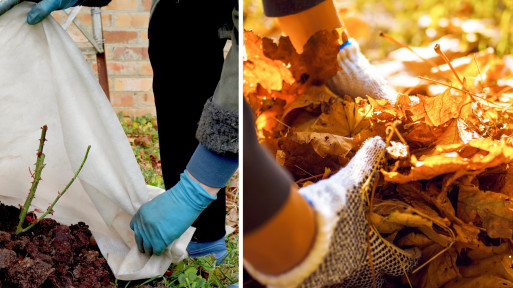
316 64
446 106
259 69
346 118
319 110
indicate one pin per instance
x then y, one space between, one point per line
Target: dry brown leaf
308 102
439 271
446 106
383 225
344 117
499 266
452 158
494 211
303 161
316 64
259 69
478 254
481 281
232 219
414 239
467 236
324 144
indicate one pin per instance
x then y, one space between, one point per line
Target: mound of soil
49 255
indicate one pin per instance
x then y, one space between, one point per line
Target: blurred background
474 24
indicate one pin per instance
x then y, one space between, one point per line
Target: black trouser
186 55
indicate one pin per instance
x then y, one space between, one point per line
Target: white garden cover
44 79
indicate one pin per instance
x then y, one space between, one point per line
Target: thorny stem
50 208
36 176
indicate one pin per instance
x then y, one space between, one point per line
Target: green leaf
202 282
182 279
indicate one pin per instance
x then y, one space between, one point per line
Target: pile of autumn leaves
447 187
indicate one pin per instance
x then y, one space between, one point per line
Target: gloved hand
40 11
165 218
357 77
339 256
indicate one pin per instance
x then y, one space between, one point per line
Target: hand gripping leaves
342 203
340 254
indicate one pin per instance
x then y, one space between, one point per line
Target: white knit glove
339 255
357 77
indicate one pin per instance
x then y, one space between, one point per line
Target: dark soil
49 255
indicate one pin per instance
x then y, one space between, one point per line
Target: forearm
301 26
279 225
301 19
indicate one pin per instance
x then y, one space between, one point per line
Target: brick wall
125 30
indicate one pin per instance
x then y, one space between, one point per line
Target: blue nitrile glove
162 220
40 11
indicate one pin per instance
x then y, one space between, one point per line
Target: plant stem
50 208
37 176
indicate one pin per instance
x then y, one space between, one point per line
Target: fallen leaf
499 265
414 239
494 211
452 158
446 106
484 280
232 219
258 68
344 117
439 271
324 144
316 64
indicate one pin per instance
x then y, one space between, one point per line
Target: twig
462 90
442 54
36 176
309 178
50 208
384 35
478 69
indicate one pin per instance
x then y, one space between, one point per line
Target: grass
192 272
